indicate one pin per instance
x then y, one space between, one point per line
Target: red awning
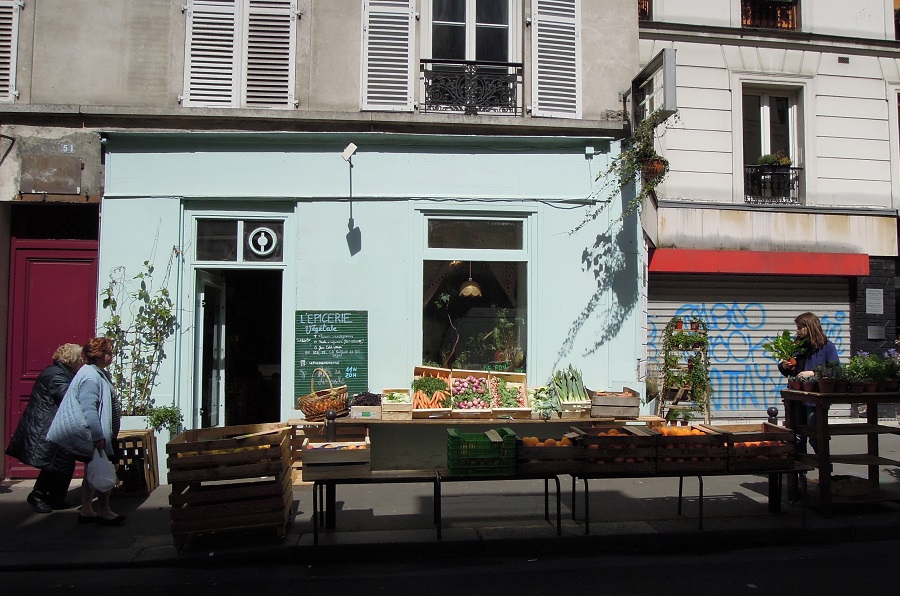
678 260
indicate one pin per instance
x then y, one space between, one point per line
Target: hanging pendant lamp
470 289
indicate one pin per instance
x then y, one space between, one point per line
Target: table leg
558 507
823 454
437 503
587 507
315 514
574 481
680 492
872 443
793 479
700 480
547 498
330 504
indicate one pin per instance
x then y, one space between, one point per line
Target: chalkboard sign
336 341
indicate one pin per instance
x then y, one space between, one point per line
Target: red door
52 300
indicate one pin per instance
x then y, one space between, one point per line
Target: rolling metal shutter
742 313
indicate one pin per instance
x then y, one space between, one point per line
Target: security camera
348 152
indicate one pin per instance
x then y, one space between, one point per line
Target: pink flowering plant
469 393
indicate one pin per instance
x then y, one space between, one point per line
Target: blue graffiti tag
743 376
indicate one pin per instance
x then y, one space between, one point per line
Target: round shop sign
263 241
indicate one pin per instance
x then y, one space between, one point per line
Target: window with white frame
769 126
470 38
240 53
770 146
9 41
240 240
474 292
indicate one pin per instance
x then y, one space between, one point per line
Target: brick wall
881 277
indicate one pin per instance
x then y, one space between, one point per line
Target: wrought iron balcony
769 14
771 185
472 87
645 10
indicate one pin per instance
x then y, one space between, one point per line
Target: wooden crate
618 449
322 461
432 371
136 467
691 453
230 477
557 459
431 413
514 413
300 430
366 412
471 413
625 404
391 410
756 447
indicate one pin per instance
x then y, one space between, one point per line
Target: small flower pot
870 387
856 387
809 386
794 384
892 385
695 325
827 385
653 168
841 387
679 324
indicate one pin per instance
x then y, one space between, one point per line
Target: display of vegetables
428 384
504 395
422 401
470 392
568 385
395 397
366 399
544 401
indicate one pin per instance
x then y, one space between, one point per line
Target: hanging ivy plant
638 157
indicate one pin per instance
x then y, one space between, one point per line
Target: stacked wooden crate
230 477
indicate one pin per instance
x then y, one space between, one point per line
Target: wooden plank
227 473
233 508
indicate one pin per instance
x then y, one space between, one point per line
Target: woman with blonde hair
29 443
89 422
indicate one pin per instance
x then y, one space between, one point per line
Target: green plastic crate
474 454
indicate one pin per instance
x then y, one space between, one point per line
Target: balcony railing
771 185
769 14
645 10
472 87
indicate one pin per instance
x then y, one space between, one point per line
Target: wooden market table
325 493
824 460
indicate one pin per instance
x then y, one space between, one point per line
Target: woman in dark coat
29 443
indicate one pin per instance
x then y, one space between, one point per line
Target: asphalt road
820 570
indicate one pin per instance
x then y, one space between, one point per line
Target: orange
550 442
566 441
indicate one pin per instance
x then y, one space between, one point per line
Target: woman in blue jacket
819 350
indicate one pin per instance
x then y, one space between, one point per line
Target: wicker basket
316 404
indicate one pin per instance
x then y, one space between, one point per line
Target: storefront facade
258 231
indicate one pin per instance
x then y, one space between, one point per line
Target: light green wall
584 288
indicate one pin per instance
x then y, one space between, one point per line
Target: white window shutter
556 58
9 41
269 64
210 56
388 42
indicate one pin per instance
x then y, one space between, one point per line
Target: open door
209 354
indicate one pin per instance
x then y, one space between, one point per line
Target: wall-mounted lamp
349 152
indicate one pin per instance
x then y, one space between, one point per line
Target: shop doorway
238 347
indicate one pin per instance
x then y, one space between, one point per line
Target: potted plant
827 374
891 370
678 322
783 347
638 157
776 168
698 377
855 371
695 324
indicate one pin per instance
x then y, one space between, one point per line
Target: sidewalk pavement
485 518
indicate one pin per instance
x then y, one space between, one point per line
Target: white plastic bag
101 473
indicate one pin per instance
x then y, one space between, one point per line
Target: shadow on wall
617 275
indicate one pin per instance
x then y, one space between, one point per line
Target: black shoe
87 519
117 520
39 504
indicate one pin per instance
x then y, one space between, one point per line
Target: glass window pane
752 129
486 234
216 240
491 44
448 42
495 12
453 11
475 332
263 240
779 125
